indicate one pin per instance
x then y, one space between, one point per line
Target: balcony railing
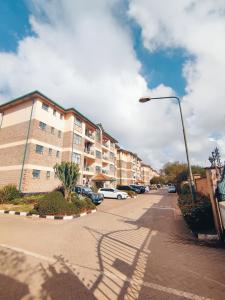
105 157
106 144
90 134
89 151
88 169
104 171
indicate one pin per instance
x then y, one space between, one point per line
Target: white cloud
81 55
199 28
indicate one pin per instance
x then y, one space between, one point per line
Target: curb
49 217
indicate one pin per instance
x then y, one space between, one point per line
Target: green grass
20 208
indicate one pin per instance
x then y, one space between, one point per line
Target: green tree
157 180
68 173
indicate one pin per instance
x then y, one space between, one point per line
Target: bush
55 204
8 193
185 189
198 215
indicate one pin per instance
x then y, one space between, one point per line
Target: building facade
36 133
128 167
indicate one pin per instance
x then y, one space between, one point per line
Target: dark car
96 198
127 188
141 188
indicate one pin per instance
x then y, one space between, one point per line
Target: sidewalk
177 260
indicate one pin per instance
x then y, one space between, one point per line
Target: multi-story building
36 133
128 167
146 173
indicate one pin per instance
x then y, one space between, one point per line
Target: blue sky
160 67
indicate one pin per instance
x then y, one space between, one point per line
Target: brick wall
202 186
9 177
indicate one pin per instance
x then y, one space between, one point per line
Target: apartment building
128 167
146 173
36 133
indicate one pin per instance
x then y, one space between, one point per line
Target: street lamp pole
192 184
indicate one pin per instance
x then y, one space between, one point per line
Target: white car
113 193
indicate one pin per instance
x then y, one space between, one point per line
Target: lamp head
144 99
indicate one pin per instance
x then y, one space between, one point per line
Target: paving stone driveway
132 249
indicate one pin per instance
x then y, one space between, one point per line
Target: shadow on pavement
154 253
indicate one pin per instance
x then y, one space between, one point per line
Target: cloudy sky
100 56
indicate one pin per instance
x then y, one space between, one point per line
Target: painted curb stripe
49 217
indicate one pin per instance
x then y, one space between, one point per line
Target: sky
101 56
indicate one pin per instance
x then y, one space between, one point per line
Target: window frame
42 125
37 172
45 106
40 147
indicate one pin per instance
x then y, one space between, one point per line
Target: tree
157 180
68 173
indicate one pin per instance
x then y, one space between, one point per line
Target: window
59 134
39 149
36 173
98 169
77 139
48 174
111 155
76 158
61 116
57 153
52 130
45 106
50 151
98 154
77 122
42 125
54 112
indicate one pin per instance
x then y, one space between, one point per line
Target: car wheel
119 197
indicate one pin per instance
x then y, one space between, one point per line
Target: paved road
130 249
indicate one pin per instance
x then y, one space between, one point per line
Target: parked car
96 198
140 188
113 193
128 188
147 189
172 189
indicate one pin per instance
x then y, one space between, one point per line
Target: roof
33 94
129 152
101 177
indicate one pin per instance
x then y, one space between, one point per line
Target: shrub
55 204
185 189
8 193
198 215
94 188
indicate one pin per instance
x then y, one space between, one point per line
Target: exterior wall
202 186
58 135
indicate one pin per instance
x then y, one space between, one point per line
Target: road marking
151 285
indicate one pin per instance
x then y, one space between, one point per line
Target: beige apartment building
128 167
147 173
36 133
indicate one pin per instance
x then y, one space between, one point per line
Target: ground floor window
36 173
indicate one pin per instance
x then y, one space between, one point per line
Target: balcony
105 157
90 134
105 144
89 151
88 169
104 171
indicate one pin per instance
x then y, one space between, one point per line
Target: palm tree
68 173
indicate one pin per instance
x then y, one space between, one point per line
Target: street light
192 184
